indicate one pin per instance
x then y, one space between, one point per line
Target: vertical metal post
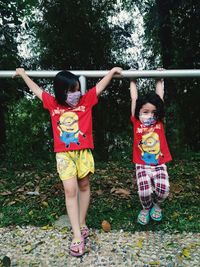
83 83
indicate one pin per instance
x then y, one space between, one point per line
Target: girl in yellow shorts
71 118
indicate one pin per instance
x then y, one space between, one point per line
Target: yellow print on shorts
62 164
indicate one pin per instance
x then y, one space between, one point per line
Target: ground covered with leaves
34 196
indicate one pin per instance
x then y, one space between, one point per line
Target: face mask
147 121
73 98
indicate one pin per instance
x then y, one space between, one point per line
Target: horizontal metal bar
100 73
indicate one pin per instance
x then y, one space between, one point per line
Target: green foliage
114 197
172 40
28 131
112 126
23 208
11 20
71 41
12 14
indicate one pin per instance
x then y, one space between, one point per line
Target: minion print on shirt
69 128
150 148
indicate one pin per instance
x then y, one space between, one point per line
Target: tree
11 25
9 59
172 36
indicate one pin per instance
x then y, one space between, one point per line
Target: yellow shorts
77 163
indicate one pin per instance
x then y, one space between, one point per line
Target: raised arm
103 83
160 86
134 96
31 84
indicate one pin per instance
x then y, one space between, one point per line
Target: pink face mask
73 98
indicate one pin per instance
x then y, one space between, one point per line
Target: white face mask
147 120
73 98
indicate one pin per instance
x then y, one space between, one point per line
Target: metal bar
100 73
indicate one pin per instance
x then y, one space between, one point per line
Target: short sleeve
90 97
48 101
133 119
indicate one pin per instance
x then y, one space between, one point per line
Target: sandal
156 213
84 231
143 217
77 247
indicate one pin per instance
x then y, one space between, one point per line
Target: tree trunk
164 8
2 132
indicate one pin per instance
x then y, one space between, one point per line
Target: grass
114 197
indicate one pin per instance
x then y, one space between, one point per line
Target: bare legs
71 202
84 198
77 207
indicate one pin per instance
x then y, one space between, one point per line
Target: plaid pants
152 180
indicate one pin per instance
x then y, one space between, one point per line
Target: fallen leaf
99 192
131 245
33 193
37 189
171 244
6 193
180 257
120 191
30 213
61 254
106 226
57 186
176 188
186 253
175 215
154 263
140 243
47 227
21 189
113 190
11 203
45 204
190 217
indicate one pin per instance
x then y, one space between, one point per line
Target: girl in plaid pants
150 151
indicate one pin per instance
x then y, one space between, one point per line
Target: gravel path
48 247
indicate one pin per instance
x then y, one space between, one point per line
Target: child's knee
143 194
144 189
71 192
84 185
162 191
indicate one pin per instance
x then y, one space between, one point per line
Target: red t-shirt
150 145
72 127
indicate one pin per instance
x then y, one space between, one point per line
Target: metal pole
125 73
83 83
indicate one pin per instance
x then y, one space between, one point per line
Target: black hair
64 81
153 99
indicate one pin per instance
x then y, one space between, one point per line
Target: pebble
49 247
